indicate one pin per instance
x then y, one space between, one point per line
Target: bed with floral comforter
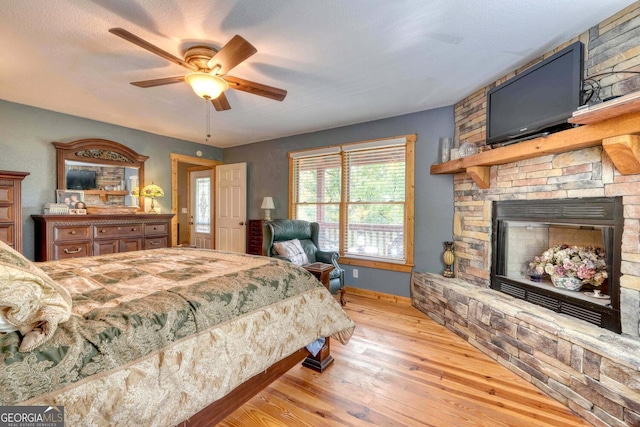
155 336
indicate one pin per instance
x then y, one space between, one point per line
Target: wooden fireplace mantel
618 136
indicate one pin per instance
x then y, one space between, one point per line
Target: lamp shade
205 85
151 190
267 203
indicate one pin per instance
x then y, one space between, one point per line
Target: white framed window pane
376 230
318 179
202 217
376 175
327 216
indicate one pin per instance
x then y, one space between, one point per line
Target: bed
155 336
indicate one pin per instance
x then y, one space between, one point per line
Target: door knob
241 223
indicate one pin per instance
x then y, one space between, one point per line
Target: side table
323 359
321 271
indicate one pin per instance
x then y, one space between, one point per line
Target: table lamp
267 205
153 191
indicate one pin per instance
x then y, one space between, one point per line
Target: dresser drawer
6 194
122 230
6 234
159 228
155 242
71 250
71 232
6 213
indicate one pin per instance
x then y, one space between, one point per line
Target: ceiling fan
209 67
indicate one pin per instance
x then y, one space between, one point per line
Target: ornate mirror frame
98 151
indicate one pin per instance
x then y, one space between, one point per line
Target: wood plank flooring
402 369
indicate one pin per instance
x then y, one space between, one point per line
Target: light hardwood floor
402 369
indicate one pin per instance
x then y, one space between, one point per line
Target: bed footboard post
322 360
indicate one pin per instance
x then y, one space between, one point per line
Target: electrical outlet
184 210
355 273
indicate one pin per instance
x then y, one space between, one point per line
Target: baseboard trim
376 295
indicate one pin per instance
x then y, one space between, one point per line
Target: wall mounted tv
79 179
538 100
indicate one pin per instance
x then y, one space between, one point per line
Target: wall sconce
267 205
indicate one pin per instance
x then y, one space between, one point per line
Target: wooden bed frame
221 408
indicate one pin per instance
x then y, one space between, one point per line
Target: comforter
155 336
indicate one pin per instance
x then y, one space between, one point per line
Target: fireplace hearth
523 229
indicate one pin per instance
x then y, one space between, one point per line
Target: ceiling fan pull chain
208 107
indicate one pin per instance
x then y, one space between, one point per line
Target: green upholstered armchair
281 230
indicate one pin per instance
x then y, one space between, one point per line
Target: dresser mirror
105 171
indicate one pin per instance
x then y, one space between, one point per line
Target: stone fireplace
524 229
592 370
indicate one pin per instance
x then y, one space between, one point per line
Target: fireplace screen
561 254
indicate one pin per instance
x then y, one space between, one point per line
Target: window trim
409 143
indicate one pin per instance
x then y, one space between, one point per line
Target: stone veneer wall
569 359
613 45
591 370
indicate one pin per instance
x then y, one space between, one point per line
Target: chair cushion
292 249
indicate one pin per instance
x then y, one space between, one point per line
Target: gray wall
268 175
26 134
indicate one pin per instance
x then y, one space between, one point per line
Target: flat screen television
537 100
79 179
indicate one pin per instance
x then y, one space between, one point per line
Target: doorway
179 195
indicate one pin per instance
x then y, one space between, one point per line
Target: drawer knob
72 232
103 231
154 243
68 251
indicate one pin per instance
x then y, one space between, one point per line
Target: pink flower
587 263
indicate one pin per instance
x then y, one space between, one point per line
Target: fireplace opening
524 229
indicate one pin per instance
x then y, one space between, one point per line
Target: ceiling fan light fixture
206 85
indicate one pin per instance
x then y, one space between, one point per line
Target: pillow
292 249
29 299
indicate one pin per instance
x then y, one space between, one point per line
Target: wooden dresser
11 208
254 236
72 236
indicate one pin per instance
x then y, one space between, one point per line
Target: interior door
200 208
231 207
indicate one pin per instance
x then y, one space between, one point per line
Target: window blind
375 181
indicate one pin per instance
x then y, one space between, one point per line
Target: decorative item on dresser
69 236
11 208
152 190
254 236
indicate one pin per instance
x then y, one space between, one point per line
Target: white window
361 194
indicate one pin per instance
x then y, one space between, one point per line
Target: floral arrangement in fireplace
585 263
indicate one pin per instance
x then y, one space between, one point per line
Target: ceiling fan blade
231 54
120 32
158 82
221 103
256 88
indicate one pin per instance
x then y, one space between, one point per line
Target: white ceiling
341 61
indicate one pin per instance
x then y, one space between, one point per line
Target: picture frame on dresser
70 197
